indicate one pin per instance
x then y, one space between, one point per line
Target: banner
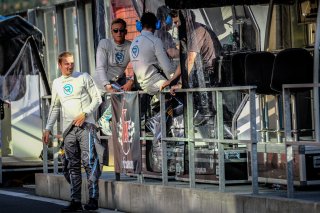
126 132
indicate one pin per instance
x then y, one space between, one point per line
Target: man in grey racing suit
78 98
112 60
149 59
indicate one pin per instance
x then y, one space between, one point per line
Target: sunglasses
117 30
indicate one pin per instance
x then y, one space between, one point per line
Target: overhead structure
21 45
191 4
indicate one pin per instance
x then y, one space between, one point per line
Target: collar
118 45
146 32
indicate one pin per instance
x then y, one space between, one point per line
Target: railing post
140 177
0 153
192 175
55 150
254 140
288 137
45 147
163 142
222 180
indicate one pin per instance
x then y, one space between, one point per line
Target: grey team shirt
111 61
145 51
74 94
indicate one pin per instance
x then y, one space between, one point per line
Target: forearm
52 117
54 110
176 74
94 95
190 61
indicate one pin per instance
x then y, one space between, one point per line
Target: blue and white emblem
135 51
68 89
119 57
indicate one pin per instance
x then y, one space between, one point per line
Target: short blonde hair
64 55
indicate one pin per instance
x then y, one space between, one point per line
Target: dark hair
174 13
119 21
163 12
148 20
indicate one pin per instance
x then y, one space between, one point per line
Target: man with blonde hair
76 94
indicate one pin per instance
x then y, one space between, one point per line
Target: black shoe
74 206
92 204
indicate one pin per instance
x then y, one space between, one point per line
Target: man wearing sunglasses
112 60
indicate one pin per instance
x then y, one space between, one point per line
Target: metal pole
262 115
55 156
163 142
288 137
222 181
45 147
316 80
254 140
192 175
0 153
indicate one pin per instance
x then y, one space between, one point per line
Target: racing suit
112 60
149 59
77 94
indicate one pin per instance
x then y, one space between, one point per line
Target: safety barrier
290 139
191 139
54 138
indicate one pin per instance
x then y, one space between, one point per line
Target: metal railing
292 141
190 139
45 104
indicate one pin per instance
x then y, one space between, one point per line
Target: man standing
112 59
150 62
202 48
78 98
163 15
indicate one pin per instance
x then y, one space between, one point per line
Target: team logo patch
135 51
119 57
68 89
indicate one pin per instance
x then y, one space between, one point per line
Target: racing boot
74 206
92 204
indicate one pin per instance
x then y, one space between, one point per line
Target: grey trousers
79 144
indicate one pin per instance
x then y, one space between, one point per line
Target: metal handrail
190 139
289 141
55 148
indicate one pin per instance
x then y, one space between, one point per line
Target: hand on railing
174 88
165 84
128 86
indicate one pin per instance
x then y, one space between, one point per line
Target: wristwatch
85 114
130 78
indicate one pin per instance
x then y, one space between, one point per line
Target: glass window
88 11
51 45
71 34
